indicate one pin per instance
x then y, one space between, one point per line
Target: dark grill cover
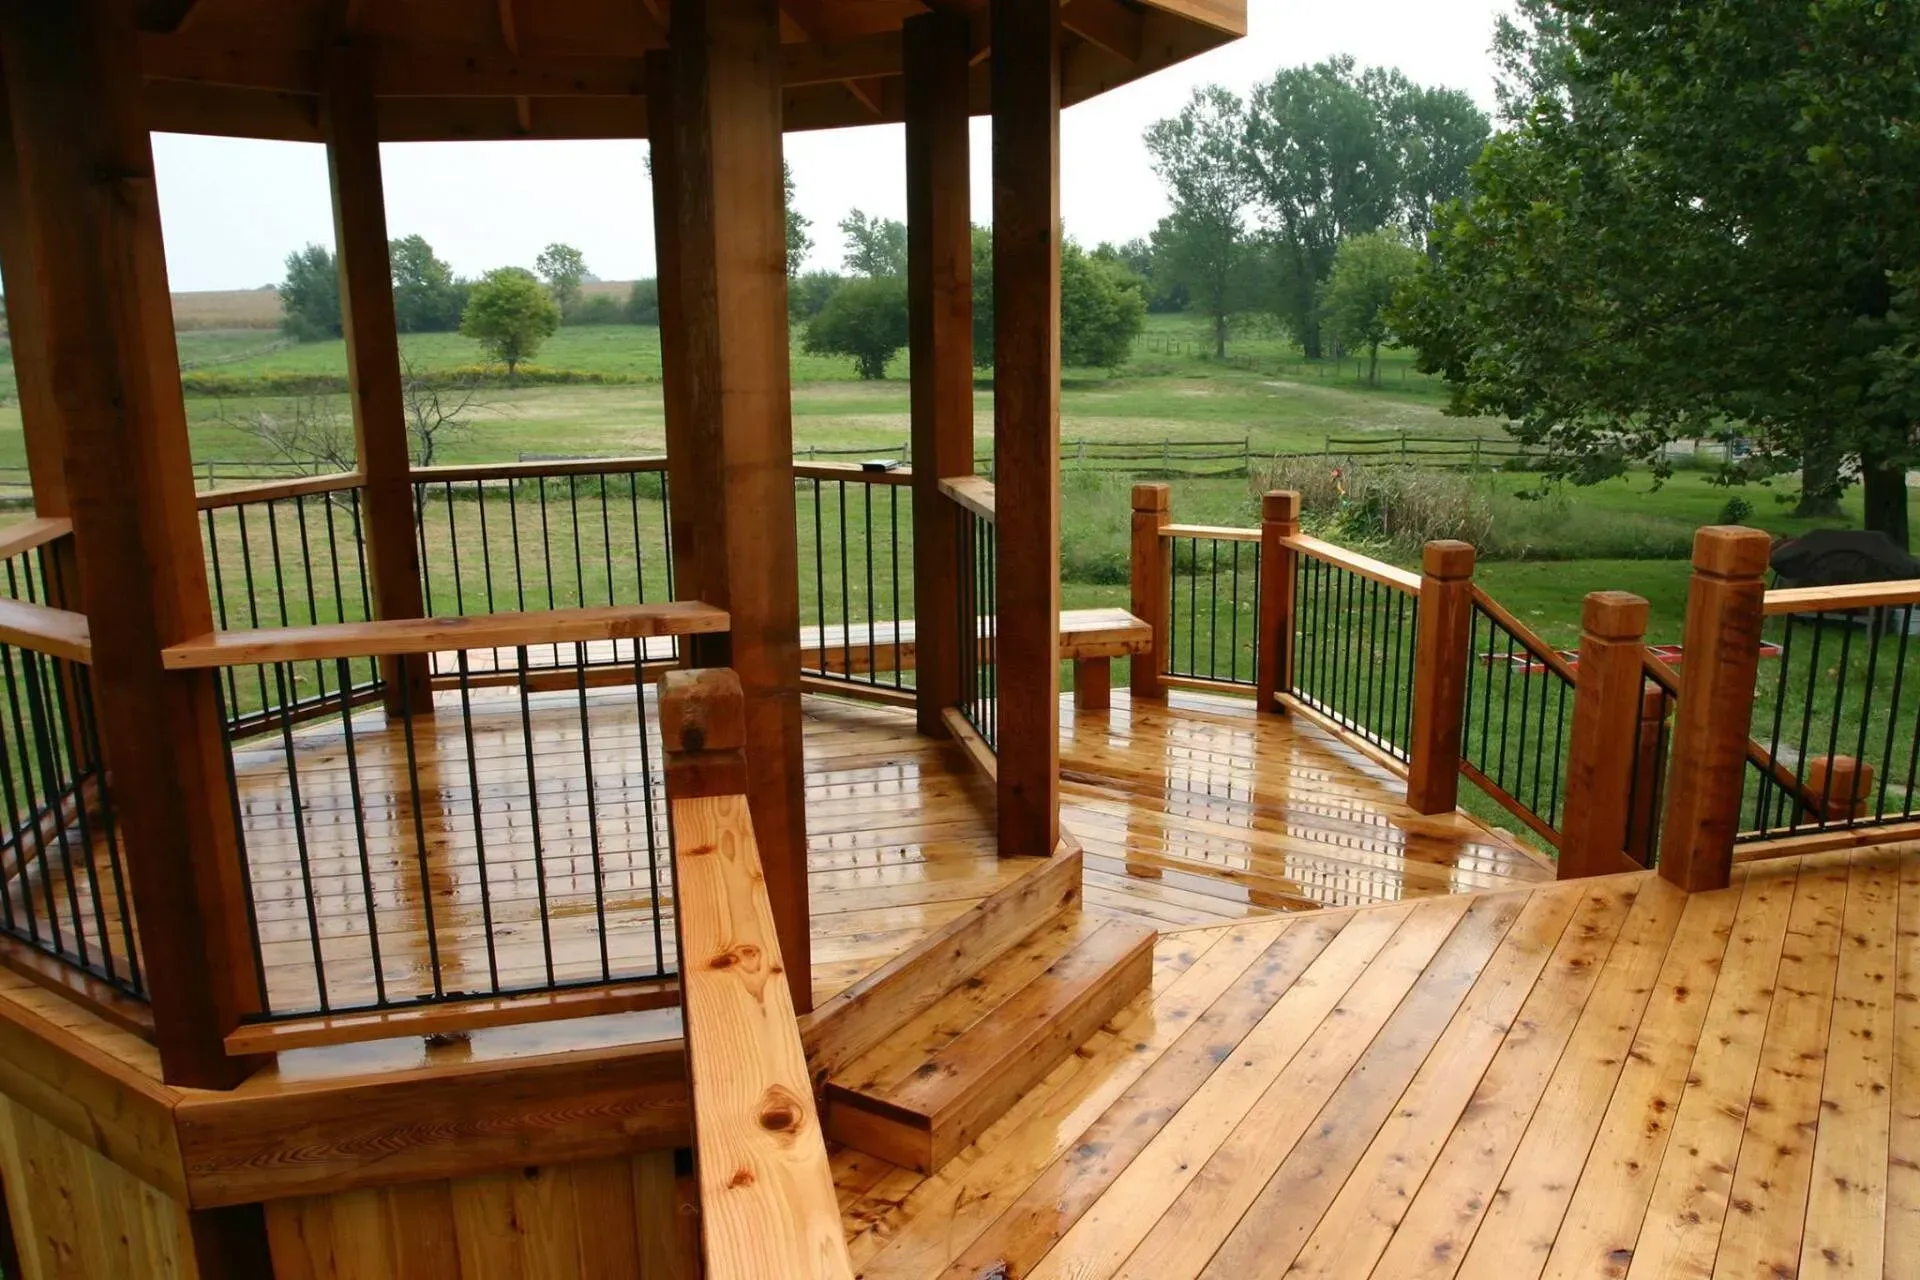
1836 557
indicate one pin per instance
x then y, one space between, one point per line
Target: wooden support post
1026 427
73 79
1093 684
1603 750
731 449
1152 586
1279 520
26 334
372 332
1712 722
703 727
687 471
937 47
1440 676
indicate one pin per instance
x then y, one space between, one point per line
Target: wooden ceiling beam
1107 24
165 16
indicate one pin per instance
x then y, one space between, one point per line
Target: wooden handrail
399 636
31 534
975 493
1529 638
59 633
767 1200
1858 595
1353 562
853 473
535 470
1783 777
272 490
1210 533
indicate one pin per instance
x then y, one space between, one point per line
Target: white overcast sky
234 208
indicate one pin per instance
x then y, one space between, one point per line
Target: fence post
1711 724
1279 519
1603 751
1152 512
1440 675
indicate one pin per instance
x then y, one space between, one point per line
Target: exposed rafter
510 36
1107 24
165 16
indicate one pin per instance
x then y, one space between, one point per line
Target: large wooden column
373 358
686 473
940 314
730 410
73 78
26 333
1026 416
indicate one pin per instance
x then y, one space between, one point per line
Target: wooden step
974 1053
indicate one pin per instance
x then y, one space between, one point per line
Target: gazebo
145 674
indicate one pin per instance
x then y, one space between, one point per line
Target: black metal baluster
846 586
1233 616
345 676
298 815
1806 726
1213 606
479 821
646 800
579 561
893 558
866 506
533 805
415 801
1764 804
1893 716
593 812
240 851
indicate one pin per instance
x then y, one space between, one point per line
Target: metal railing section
1517 717
1355 637
856 574
1213 605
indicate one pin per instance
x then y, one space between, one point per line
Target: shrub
1402 506
598 308
865 319
643 302
1737 511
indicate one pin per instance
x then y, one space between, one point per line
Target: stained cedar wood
1366 566
1603 748
217 499
1279 520
1710 743
940 321
29 534
1859 595
1624 1081
766 1194
36 627
1150 584
72 72
862 647
440 635
976 493
731 241
41 428
1440 676
380 425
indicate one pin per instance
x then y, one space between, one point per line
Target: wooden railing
767 1201
1518 719
64 908
505 840
976 712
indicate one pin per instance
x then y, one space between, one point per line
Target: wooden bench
1089 638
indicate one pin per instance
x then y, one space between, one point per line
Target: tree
1102 306
1711 229
1533 58
1146 258
316 438
866 319
811 291
1203 242
1322 167
426 296
563 267
643 302
875 246
799 243
1367 272
310 295
509 314
1440 133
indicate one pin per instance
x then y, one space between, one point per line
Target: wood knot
702 850
782 1111
744 953
741 1178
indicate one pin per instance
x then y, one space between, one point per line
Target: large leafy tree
563 267
426 296
1368 271
799 243
1103 306
1439 133
865 318
310 295
876 246
1710 226
1203 244
510 314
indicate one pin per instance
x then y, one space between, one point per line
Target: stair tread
1069 963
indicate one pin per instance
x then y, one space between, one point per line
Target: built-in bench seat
1089 638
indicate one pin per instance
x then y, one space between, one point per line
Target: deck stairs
938 1081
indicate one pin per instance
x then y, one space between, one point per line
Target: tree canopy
1203 244
799 243
1102 306
875 246
563 267
1704 224
1368 272
865 318
310 295
510 314
427 298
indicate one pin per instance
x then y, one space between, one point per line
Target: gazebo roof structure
451 70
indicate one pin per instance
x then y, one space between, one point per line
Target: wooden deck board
1602 1078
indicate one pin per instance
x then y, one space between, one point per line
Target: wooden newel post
703 726
1712 721
1152 586
1603 752
1279 520
1440 676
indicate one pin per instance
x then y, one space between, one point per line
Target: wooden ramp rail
767 1201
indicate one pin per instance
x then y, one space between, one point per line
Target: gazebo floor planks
1595 1078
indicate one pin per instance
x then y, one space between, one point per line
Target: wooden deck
1191 813
1600 1078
